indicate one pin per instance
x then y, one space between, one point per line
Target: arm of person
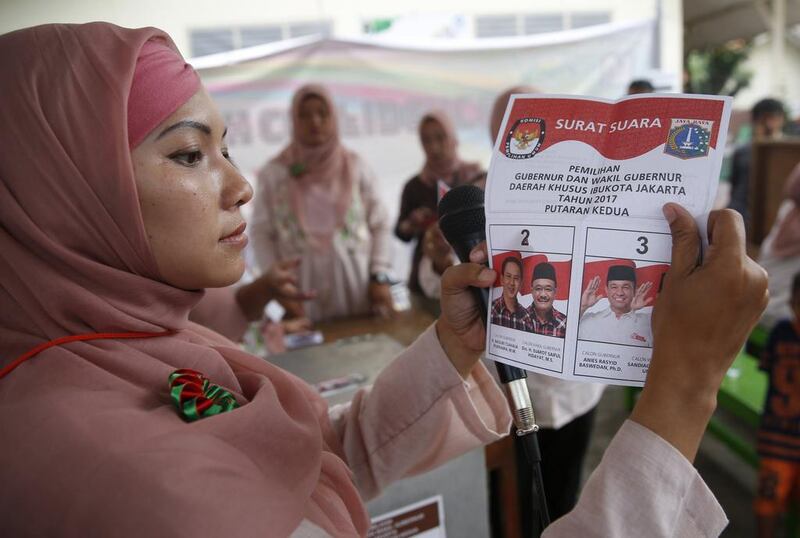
261 227
642 487
380 258
700 322
380 253
434 402
404 229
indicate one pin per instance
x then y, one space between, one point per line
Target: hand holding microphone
463 223
462 325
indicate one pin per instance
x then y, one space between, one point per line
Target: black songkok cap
621 272
544 270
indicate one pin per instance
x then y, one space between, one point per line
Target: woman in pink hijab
317 201
119 204
420 198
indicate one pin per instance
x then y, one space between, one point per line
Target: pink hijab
499 108
451 168
787 236
91 442
323 175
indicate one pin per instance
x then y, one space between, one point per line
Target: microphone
463 223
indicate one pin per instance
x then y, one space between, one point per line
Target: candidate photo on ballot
528 296
616 301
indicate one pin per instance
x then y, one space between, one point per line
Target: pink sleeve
418 414
218 310
642 487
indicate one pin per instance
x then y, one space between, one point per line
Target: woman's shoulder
360 168
273 165
356 160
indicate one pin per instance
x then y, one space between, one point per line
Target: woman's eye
227 155
187 158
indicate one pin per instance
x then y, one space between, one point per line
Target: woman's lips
237 237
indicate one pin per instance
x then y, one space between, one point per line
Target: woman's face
434 140
190 194
314 125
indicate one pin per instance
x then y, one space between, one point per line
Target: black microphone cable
463 223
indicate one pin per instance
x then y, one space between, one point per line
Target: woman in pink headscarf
317 201
419 200
119 204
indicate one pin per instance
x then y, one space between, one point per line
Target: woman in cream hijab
317 201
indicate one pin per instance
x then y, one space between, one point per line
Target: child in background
779 432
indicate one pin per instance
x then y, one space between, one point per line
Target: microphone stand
524 431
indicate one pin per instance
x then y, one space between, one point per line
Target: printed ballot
575 229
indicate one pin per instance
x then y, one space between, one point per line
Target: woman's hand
279 283
700 322
417 221
460 327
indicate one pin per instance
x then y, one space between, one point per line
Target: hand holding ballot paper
619 210
575 228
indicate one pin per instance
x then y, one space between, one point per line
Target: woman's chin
217 278
229 277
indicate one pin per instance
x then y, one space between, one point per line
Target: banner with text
382 89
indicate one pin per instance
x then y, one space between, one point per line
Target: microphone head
461 213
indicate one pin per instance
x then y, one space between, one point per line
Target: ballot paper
575 227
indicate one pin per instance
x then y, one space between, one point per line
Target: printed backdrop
381 90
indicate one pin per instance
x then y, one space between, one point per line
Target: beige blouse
339 274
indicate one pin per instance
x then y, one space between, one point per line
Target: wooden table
404 327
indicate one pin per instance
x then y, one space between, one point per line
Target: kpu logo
525 138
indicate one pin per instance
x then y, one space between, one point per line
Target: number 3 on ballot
643 248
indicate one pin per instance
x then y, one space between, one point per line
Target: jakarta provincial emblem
524 138
688 138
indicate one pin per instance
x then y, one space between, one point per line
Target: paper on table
575 228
